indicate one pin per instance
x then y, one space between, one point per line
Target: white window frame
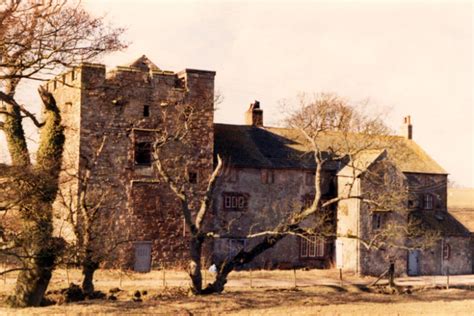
312 247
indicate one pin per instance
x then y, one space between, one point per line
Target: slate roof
443 222
273 147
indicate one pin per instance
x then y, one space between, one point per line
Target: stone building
112 118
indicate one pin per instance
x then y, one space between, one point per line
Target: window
309 178
146 111
231 175
235 201
267 176
192 177
312 247
446 251
143 153
378 219
307 200
428 202
234 246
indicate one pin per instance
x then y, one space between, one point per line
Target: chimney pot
254 115
407 128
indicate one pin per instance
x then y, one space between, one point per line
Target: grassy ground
256 293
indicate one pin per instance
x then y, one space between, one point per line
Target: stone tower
112 119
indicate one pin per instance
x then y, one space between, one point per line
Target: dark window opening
146 111
143 153
428 202
378 219
192 177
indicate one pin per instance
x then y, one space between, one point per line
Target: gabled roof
251 147
442 222
273 147
144 64
361 162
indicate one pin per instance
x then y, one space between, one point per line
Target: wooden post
164 273
340 276
250 275
67 275
447 278
294 275
5 275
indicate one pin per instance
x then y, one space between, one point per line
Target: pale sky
415 58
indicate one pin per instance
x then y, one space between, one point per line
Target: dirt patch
154 294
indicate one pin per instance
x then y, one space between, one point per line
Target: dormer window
146 111
428 202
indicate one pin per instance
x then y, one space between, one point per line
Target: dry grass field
318 292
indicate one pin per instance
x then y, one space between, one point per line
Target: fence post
294 275
163 267
447 278
340 276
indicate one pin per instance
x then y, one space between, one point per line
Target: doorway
142 256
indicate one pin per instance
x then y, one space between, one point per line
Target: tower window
192 177
428 202
143 153
146 110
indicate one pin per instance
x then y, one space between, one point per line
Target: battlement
142 70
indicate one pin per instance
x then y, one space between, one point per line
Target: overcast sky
413 58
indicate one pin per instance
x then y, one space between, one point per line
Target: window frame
428 201
235 201
267 176
312 247
378 220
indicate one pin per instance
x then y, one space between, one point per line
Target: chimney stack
407 128
254 115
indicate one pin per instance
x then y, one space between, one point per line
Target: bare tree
37 40
334 132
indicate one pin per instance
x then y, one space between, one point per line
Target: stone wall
268 203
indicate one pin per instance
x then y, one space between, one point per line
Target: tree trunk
88 269
195 264
38 244
391 275
32 282
240 259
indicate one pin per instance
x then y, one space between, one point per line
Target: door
142 256
413 262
